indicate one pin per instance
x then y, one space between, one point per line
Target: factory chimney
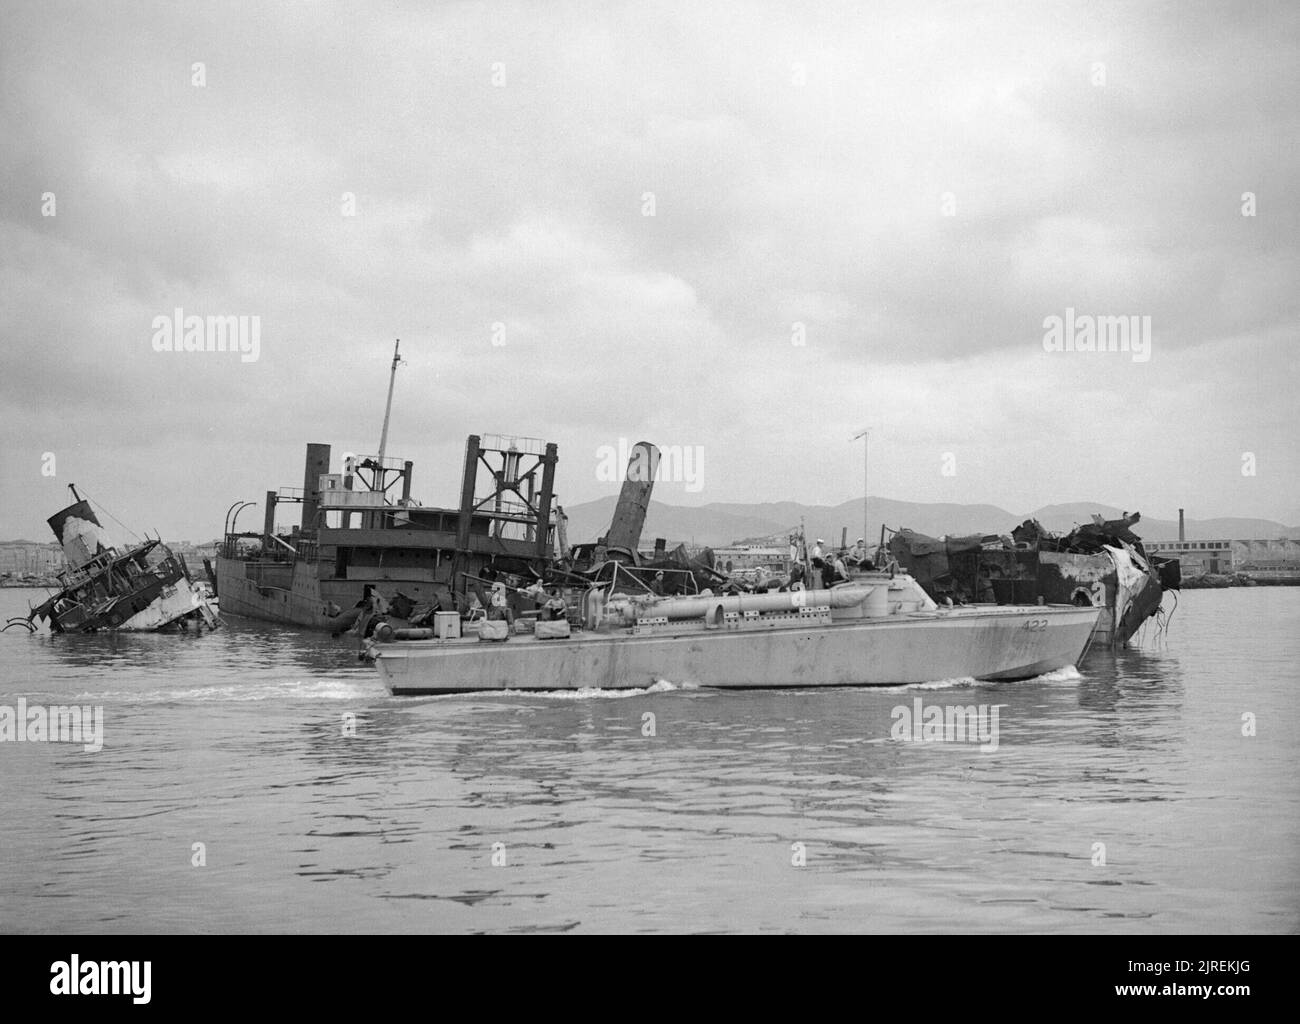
1182 532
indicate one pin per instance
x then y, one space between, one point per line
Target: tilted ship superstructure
142 588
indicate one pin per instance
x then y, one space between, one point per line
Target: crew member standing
501 605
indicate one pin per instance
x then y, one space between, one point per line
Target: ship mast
866 519
383 437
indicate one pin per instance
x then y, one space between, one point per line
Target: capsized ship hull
809 649
142 589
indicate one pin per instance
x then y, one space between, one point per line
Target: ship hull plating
298 597
1006 643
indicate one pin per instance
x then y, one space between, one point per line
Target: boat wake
309 689
588 692
959 682
1069 674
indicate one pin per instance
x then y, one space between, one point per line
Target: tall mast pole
866 527
383 437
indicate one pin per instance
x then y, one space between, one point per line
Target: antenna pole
866 524
388 408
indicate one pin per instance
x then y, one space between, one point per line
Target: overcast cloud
918 186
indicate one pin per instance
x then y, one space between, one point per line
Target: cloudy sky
752 228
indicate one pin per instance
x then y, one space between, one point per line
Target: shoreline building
29 559
1196 557
744 557
1199 557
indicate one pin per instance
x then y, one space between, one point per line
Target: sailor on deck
500 605
555 608
797 576
535 592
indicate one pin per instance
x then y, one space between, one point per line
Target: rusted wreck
143 588
1101 564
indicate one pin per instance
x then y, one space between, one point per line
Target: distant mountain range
720 523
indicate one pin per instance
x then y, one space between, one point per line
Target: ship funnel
79 532
317 465
634 499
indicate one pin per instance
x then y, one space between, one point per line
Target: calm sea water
235 740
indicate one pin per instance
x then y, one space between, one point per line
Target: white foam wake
587 692
309 689
1069 674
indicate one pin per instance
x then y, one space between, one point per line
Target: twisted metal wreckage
1102 564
